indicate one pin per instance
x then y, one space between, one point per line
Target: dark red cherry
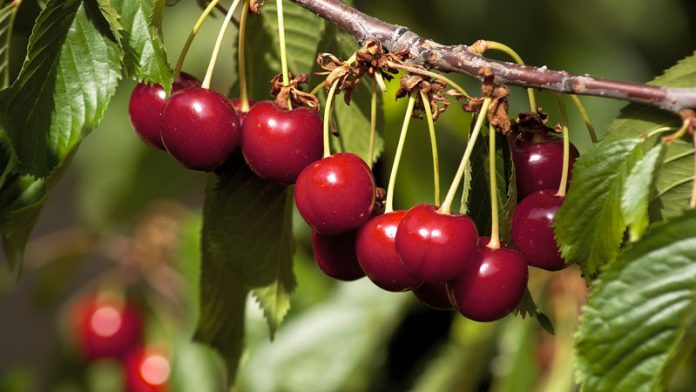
493 287
336 194
147 370
237 105
539 163
435 295
436 247
278 143
375 247
200 128
107 328
532 230
146 104
335 255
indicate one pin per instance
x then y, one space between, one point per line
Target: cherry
107 329
493 287
539 163
147 370
200 128
278 143
436 247
336 194
375 247
435 295
532 230
146 104
335 255
237 105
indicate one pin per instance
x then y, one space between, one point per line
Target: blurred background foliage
126 218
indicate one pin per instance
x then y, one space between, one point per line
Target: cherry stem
218 44
677 135
241 59
433 146
692 201
399 151
656 131
380 81
191 36
327 118
317 88
283 51
373 123
563 186
447 204
493 45
494 243
424 72
585 117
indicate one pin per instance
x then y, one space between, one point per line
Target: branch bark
458 58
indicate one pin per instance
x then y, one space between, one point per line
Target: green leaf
146 58
589 226
637 189
112 18
67 80
7 17
635 319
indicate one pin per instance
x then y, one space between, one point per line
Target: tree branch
458 58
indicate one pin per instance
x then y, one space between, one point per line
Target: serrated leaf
67 80
637 312
636 194
527 307
113 18
7 17
589 226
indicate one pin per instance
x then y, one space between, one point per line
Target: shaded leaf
637 189
7 17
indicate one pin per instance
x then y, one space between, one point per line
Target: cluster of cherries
109 329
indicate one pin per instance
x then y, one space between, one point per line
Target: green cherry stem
447 204
692 201
585 118
493 45
218 44
241 58
191 36
423 72
433 146
563 186
399 150
327 117
494 243
373 123
283 51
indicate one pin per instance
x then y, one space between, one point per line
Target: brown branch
458 58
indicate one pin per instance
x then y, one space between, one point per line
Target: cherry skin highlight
532 230
107 329
493 287
146 104
336 194
147 370
539 164
200 129
436 247
278 143
434 295
375 247
335 255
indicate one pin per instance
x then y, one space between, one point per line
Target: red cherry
532 230
146 105
278 143
147 370
375 247
435 295
335 255
539 164
200 128
493 287
237 105
336 194
436 247
107 329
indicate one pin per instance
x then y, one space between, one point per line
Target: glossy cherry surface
532 230
375 247
493 287
434 295
200 128
336 194
278 143
146 104
147 370
335 255
539 163
107 329
436 247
